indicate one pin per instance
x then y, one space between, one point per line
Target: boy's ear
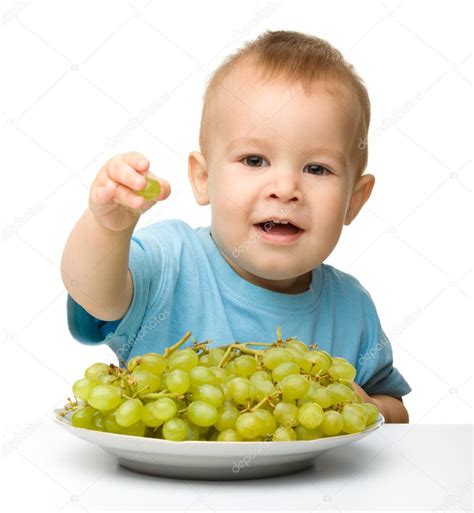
360 194
197 173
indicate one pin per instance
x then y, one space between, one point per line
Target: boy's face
284 177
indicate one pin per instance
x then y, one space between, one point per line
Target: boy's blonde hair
294 57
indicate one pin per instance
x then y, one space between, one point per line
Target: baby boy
283 143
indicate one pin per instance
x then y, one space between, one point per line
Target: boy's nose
285 184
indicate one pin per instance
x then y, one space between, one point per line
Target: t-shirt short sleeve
146 265
376 373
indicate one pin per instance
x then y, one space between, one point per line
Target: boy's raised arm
94 265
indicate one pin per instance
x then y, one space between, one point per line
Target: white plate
212 460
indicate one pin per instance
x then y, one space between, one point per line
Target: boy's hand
113 199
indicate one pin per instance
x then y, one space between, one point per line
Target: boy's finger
103 195
126 175
136 160
124 196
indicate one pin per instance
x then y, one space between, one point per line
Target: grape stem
263 401
140 391
278 330
178 344
201 345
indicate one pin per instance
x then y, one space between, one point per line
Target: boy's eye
314 169
253 159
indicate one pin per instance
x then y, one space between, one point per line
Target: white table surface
425 467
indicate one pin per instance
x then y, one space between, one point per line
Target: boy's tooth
276 221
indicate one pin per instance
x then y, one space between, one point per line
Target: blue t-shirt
182 282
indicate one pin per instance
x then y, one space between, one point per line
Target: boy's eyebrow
335 154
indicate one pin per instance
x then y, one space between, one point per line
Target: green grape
358 408
202 376
303 433
297 344
285 369
111 425
203 429
225 388
245 365
96 369
284 434
210 394
97 422
342 371
174 429
332 423
276 356
153 362
213 437
340 392
137 429
148 418
354 421
178 381
202 413
192 431
215 355
83 387
105 397
164 408
184 359
349 383
320 362
240 390
263 389
105 379
267 421
293 386
146 381
328 356
227 417
219 373
310 415
133 363
299 358
129 412
229 435
310 394
152 189
286 414
260 375
204 360
230 367
248 425
230 377
323 397
373 412
82 417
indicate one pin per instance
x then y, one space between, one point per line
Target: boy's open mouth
279 228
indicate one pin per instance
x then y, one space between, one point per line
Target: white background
83 81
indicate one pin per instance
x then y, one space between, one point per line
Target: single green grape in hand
152 189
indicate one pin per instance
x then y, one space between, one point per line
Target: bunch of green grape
282 391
